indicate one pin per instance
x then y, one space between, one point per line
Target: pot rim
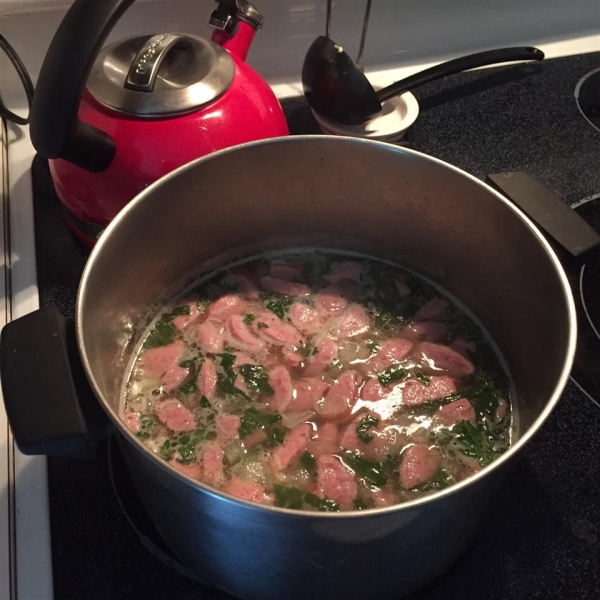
304 514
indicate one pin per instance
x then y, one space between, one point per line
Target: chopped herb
226 380
372 345
186 364
292 497
275 437
288 497
363 426
321 504
474 441
308 461
257 379
440 481
249 318
279 306
178 311
359 504
162 333
147 425
186 445
166 450
382 319
262 325
422 378
369 470
188 388
253 420
306 350
204 403
391 374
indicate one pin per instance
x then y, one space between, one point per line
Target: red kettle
113 121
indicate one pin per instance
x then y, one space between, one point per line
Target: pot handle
50 406
56 130
564 225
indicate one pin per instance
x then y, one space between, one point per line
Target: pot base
134 510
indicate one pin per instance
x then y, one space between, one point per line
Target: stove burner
584 278
587 95
135 511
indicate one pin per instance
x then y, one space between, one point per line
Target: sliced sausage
286 455
307 393
418 466
175 416
240 336
132 421
273 330
282 269
329 302
326 352
210 337
459 410
207 379
281 382
192 470
182 322
244 489
429 331
432 309
442 357
335 479
173 378
155 362
226 306
414 392
304 318
354 321
227 426
340 398
281 286
372 391
342 271
326 440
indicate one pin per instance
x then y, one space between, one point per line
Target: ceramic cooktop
542 535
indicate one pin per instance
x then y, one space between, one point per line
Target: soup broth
318 381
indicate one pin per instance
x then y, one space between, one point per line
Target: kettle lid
161 75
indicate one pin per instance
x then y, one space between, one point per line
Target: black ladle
339 91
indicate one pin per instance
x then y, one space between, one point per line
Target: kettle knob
229 12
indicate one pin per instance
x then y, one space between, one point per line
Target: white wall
402 32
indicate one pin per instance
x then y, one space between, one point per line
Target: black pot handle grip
50 406
574 236
56 130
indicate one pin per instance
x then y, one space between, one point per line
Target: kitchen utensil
348 100
363 37
114 121
329 75
334 192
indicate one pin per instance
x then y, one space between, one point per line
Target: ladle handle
458 65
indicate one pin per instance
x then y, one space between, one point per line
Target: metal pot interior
335 192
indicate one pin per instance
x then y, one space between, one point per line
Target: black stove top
542 539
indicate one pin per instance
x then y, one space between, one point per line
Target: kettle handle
56 130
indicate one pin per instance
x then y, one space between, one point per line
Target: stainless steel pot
373 197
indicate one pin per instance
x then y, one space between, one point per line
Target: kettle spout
235 23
